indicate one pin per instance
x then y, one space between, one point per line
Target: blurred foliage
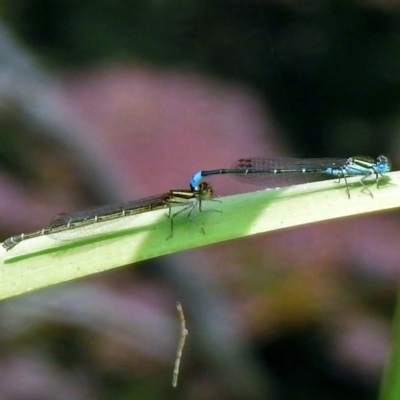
329 69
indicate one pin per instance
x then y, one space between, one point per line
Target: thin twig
182 339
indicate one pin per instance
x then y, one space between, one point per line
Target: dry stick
184 333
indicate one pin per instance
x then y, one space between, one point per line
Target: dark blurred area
328 69
109 101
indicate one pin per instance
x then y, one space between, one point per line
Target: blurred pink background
147 130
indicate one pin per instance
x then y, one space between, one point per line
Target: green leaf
44 261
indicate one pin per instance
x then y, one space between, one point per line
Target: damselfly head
383 164
204 190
